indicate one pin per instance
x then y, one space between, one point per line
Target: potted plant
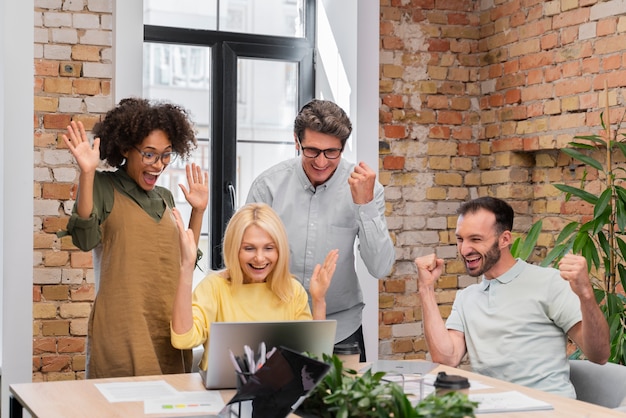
344 393
601 239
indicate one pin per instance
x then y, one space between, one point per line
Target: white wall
16 193
347 73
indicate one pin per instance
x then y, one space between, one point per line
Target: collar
130 186
507 277
306 183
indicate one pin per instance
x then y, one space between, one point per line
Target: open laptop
314 336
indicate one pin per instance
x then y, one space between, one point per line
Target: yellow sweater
214 301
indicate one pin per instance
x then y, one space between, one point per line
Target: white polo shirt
516 327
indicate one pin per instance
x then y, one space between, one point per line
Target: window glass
261 17
181 75
190 14
267 96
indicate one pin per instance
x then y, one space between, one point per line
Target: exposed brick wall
477 97
72 81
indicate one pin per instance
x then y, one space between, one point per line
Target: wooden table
80 398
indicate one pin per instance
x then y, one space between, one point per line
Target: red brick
509 144
440 132
394 131
46 68
394 101
437 102
393 317
59 191
392 43
55 363
462 133
391 162
531 144
570 18
54 224
438 45
469 149
449 117
81 259
612 62
513 96
575 86
56 121
71 345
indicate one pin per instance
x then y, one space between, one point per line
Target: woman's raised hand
87 156
198 193
323 275
188 249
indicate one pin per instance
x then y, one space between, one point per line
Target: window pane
181 75
266 108
261 17
190 14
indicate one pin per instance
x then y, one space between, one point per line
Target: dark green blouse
86 233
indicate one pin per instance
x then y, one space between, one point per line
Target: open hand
87 157
323 275
198 193
187 240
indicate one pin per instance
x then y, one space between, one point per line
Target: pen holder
242 378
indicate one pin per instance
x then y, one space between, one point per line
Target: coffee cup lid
451 381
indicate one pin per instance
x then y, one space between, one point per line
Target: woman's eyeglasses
150 158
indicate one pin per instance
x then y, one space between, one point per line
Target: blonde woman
256 284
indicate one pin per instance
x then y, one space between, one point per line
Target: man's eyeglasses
152 157
329 153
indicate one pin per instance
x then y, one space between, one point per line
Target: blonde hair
264 217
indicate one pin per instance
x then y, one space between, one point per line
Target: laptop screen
315 337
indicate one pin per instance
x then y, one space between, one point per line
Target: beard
489 259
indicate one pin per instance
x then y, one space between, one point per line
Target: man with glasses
327 203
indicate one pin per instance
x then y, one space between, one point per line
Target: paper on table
135 391
507 402
208 401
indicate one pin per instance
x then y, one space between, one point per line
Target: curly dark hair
133 119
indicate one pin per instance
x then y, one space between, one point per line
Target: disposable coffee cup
349 354
450 383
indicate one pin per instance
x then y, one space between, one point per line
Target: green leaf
583 158
593 138
583 194
524 248
603 203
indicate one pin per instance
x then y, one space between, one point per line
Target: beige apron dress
129 328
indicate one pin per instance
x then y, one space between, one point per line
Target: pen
250 358
234 361
262 352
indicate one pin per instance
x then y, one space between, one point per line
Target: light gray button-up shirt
324 218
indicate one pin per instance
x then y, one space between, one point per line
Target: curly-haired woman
127 220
